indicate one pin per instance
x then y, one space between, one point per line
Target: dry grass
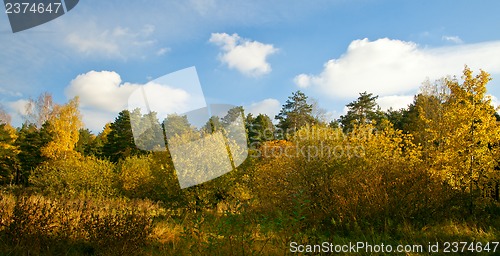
43 225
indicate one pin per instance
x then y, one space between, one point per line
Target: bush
74 176
135 177
366 178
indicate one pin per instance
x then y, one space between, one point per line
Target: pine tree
364 110
260 129
120 140
176 125
295 113
85 144
30 141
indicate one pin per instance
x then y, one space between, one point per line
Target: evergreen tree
213 124
120 140
232 115
176 125
147 130
97 145
85 144
362 111
30 142
260 129
295 113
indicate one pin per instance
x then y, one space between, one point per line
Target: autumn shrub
151 177
135 177
43 225
75 176
333 181
272 182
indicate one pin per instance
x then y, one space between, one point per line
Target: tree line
409 175
452 123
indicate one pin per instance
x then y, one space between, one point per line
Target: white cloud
95 120
453 39
393 67
303 80
17 111
246 56
119 42
270 107
394 101
18 107
101 90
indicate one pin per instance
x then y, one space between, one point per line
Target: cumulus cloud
101 90
270 107
392 67
246 56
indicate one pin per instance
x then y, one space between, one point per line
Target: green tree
260 129
295 113
120 140
364 110
30 141
85 144
232 115
176 125
97 145
147 130
397 117
213 124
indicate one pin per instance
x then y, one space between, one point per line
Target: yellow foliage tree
8 153
64 125
463 139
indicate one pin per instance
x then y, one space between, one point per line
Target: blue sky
250 53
